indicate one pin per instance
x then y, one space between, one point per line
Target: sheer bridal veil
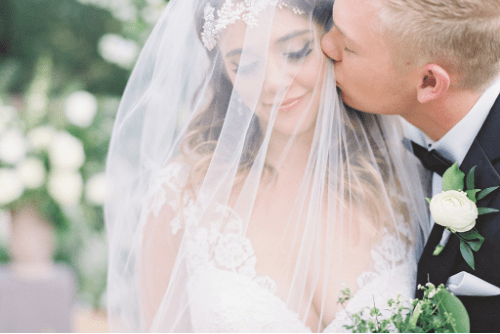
239 186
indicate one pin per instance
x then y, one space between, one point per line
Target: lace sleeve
162 235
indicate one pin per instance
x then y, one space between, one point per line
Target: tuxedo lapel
436 269
485 175
485 154
485 151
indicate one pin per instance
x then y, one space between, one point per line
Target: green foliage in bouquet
439 311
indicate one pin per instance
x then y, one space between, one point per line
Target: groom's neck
437 117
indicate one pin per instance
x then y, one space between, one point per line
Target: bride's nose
276 78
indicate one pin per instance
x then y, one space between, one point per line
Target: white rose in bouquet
80 108
11 186
13 146
95 190
453 209
32 173
66 152
65 187
41 137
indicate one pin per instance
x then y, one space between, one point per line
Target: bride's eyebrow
292 35
280 40
234 52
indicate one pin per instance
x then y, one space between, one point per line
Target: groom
436 63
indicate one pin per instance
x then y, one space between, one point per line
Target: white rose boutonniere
455 208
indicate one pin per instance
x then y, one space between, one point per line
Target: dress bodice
227 294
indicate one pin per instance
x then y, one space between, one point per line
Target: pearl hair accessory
246 10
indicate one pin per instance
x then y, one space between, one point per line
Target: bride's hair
365 179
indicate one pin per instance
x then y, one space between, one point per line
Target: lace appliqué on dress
393 276
227 294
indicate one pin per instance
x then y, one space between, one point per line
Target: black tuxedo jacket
484 312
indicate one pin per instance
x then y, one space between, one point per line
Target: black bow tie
432 160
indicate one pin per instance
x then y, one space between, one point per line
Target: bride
243 195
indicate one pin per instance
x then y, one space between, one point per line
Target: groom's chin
344 97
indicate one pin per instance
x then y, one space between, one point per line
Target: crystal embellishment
246 10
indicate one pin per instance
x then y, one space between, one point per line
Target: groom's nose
330 44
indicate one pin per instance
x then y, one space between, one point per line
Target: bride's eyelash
245 69
304 52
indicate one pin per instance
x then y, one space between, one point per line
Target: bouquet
439 311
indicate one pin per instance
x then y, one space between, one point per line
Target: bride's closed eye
245 69
302 53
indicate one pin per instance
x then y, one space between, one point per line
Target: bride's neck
287 152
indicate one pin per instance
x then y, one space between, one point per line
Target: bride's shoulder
174 175
168 186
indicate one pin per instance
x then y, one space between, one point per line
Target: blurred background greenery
63 67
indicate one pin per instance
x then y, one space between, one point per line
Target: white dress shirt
454 145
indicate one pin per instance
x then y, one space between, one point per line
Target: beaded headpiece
246 10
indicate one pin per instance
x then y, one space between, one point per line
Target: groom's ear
434 82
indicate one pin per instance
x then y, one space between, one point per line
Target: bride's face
277 69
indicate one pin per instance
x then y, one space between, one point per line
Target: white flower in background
93 259
11 186
118 50
13 146
122 10
453 209
95 190
32 173
80 108
66 152
41 137
152 12
7 114
65 187
5 227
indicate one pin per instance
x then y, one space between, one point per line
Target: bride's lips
288 104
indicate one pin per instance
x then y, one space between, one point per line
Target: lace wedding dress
227 294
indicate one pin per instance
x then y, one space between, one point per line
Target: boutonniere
455 208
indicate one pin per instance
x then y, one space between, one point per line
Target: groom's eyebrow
340 30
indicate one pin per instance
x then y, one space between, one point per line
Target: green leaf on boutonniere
428 200
453 178
471 194
472 238
470 178
471 235
466 251
483 211
475 245
486 192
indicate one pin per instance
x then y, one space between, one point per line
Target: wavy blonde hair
463 34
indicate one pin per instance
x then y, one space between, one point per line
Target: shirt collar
455 144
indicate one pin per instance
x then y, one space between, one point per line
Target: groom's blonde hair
462 34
